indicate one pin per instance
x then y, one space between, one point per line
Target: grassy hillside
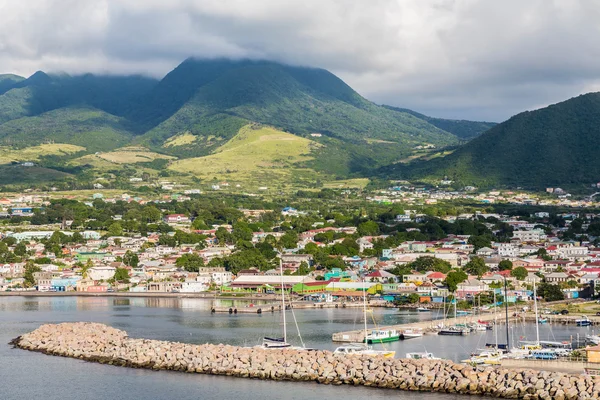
257 155
460 128
93 129
132 155
556 145
19 175
34 153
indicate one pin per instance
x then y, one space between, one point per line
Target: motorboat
594 339
423 309
411 333
361 349
583 321
382 336
454 331
486 357
421 356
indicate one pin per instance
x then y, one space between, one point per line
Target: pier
276 307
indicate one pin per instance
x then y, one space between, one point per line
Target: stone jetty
101 343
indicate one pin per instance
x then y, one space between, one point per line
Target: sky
466 59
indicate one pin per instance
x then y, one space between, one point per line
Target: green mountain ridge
208 102
460 128
552 146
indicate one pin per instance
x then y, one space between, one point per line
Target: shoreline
103 344
210 296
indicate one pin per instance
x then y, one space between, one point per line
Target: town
191 243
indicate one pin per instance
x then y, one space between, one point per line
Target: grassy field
357 183
131 155
180 140
8 155
257 155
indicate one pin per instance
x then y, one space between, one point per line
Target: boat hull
383 339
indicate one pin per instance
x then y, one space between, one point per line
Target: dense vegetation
460 128
552 146
206 102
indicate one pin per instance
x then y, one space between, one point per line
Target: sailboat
526 349
453 330
362 349
281 342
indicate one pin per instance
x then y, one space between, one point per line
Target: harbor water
26 375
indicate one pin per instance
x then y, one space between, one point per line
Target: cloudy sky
474 59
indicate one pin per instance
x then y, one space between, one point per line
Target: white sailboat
281 342
363 349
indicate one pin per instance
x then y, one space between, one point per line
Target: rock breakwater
101 343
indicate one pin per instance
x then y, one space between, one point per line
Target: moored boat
583 321
382 336
422 356
411 333
360 349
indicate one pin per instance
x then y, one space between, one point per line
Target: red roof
436 275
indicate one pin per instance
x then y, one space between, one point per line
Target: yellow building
593 354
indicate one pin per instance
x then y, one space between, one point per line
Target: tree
368 228
246 259
121 275
30 269
427 264
413 298
505 265
480 241
520 273
303 269
85 268
476 267
20 249
289 240
115 229
550 292
223 236
454 278
131 259
190 262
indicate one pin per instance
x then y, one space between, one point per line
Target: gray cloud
455 58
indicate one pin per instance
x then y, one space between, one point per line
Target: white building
101 272
533 235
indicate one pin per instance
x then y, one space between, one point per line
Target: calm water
27 375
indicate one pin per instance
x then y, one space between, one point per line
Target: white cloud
461 58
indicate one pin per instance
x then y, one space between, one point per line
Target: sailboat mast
365 307
537 321
283 300
495 319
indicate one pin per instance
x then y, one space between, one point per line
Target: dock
276 307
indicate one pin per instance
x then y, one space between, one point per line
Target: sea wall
104 344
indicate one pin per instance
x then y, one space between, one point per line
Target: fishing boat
422 356
583 321
382 336
542 320
477 327
411 333
423 309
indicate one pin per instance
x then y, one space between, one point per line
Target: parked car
564 312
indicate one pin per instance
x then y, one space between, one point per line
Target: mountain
202 105
552 146
214 98
7 81
460 128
